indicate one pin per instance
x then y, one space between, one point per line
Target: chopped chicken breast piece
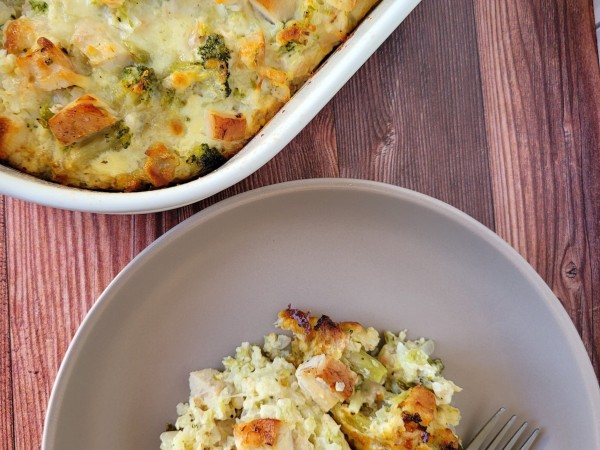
420 405
263 434
81 118
326 380
12 134
225 127
49 68
205 385
160 165
94 41
19 35
275 10
252 50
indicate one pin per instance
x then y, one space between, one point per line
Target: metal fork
488 428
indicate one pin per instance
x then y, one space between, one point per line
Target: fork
488 428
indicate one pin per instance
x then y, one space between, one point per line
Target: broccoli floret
211 77
122 134
290 46
140 80
118 136
214 48
220 76
207 158
215 57
38 6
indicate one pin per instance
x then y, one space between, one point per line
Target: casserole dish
303 106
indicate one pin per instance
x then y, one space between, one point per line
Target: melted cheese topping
129 95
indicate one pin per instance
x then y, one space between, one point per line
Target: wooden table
490 105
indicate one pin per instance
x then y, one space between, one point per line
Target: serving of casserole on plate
354 250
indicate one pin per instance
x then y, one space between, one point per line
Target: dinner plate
354 250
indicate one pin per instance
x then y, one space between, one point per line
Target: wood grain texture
6 388
58 263
491 106
542 109
414 115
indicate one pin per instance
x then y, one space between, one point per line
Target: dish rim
305 104
564 322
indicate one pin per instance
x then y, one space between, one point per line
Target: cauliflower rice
330 386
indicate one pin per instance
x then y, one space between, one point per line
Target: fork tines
495 444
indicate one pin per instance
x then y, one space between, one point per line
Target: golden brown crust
257 433
160 165
48 67
417 410
11 136
316 335
5 125
18 36
293 32
420 405
227 128
252 50
338 377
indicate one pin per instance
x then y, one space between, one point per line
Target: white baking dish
304 105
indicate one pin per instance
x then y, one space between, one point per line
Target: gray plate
354 250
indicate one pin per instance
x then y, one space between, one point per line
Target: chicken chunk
205 385
252 50
225 127
263 434
367 337
97 45
419 406
275 10
81 118
315 336
160 165
19 35
48 67
326 380
12 135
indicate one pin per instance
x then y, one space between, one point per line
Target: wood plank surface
414 116
6 388
541 87
491 106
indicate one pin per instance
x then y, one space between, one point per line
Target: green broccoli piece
122 134
212 77
45 115
215 58
140 80
369 367
290 46
207 158
215 48
38 6
118 136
